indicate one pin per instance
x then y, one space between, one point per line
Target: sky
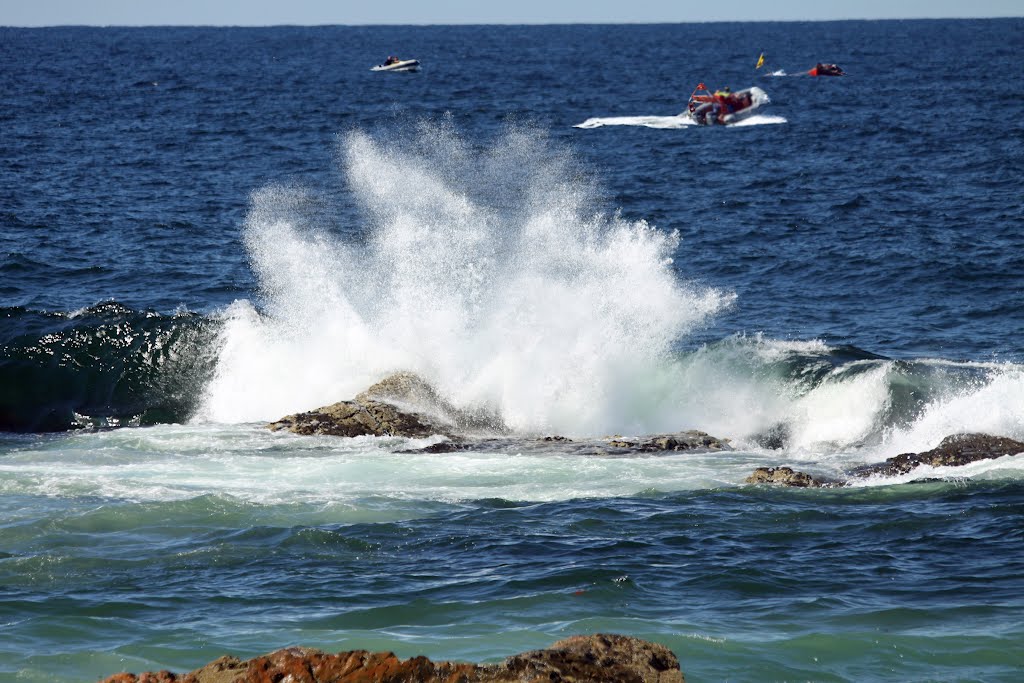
354 12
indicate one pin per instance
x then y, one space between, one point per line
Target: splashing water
488 272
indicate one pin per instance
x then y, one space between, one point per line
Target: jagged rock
600 657
955 450
786 476
359 418
681 441
402 404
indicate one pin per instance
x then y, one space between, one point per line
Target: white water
490 273
680 121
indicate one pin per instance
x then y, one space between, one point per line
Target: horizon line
516 23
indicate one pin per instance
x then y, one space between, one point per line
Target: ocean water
204 229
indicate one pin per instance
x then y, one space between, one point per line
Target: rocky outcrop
680 441
402 404
954 451
786 476
600 657
360 418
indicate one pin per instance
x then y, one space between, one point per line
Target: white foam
488 272
993 404
842 410
760 120
680 121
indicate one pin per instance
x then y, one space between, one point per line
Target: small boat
724 107
396 64
826 70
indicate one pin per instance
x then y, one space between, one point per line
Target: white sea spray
489 272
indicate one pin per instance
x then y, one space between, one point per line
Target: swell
106 365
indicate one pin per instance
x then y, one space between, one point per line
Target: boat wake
672 122
680 121
760 120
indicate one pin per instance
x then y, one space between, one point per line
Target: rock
600 657
786 476
442 447
681 441
404 388
775 437
402 404
954 451
359 418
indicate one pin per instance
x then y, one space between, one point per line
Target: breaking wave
490 272
487 271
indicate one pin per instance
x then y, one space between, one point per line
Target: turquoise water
165 547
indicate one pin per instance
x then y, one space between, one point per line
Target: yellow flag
760 61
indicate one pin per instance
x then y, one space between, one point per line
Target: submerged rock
616 446
600 657
680 441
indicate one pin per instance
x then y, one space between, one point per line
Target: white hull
404 65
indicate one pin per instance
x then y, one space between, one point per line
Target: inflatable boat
724 106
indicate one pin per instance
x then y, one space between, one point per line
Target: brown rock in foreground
592 659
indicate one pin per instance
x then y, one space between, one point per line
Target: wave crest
487 271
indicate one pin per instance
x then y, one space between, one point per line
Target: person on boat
391 60
725 98
827 70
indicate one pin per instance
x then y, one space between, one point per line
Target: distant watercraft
826 70
724 107
820 69
396 64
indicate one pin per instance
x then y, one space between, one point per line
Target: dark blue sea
205 229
